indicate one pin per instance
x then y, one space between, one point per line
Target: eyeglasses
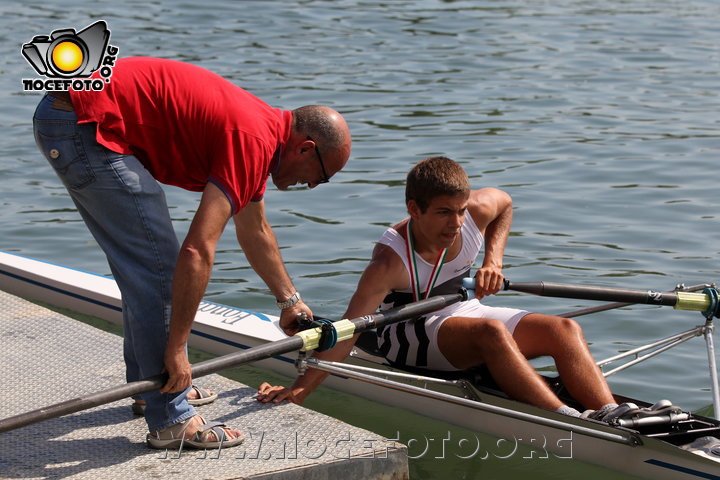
326 177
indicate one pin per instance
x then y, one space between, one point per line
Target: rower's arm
491 210
372 288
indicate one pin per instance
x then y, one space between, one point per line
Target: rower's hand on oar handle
276 393
488 281
289 317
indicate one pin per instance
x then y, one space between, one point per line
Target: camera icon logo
67 53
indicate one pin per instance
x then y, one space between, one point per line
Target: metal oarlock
714 308
328 335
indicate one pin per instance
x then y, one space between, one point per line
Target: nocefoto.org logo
67 58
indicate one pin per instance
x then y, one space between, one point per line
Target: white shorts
414 342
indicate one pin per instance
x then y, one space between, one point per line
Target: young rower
428 254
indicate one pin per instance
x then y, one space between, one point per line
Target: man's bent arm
192 274
261 249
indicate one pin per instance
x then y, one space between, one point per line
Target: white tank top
451 273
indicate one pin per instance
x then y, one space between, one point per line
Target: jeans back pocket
67 156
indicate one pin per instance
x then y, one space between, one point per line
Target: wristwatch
295 298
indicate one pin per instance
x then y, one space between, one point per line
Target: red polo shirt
188 126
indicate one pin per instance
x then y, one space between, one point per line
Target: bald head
328 129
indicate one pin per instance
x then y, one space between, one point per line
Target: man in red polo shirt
179 124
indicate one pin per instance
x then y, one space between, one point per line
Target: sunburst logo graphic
69 56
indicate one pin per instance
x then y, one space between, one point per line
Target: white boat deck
48 358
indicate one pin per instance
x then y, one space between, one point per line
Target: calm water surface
599 118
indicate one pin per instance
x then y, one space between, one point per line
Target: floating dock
48 358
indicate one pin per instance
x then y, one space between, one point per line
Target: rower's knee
569 328
490 334
565 336
467 342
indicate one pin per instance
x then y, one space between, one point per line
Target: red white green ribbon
412 264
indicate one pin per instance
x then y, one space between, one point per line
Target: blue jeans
126 212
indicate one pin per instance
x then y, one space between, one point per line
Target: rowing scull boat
655 447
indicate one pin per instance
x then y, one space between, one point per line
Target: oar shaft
409 310
250 355
606 294
153 383
305 340
699 302
82 403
